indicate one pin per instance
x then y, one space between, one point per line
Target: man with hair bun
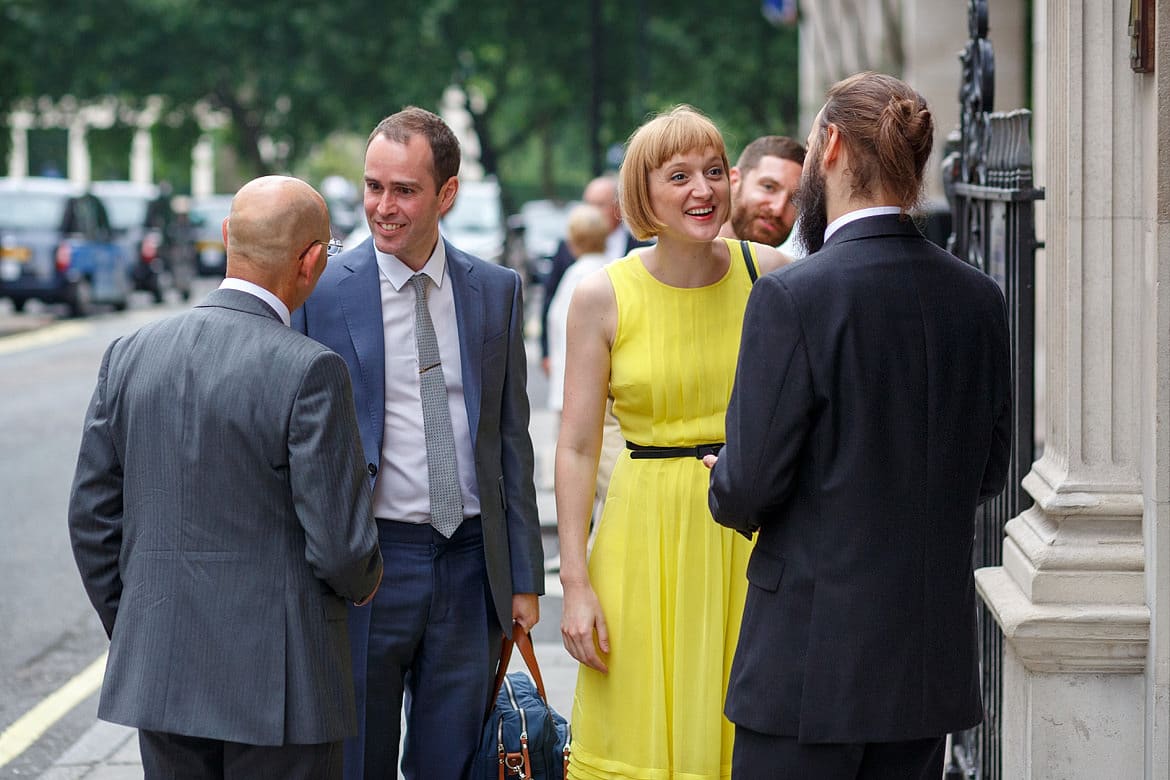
869 418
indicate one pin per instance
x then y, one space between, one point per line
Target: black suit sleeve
560 263
995 473
769 414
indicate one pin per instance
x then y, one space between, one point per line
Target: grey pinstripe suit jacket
220 519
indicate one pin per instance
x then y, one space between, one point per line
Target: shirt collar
398 273
853 216
243 285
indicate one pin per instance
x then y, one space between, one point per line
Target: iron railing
988 180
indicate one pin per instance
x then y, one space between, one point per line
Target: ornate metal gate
988 180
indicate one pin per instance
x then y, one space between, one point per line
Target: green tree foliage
553 86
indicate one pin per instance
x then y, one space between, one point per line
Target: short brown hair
412 121
888 130
770 146
682 129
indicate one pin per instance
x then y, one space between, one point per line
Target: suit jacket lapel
465 288
360 294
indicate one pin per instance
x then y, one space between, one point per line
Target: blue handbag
523 737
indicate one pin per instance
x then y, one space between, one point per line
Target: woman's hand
583 626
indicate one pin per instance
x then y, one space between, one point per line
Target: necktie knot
419 282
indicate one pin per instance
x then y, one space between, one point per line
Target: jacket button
370 467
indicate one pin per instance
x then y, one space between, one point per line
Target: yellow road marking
53 334
29 728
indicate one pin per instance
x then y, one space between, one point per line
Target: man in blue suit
431 638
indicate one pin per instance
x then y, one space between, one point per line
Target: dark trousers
767 757
433 647
176 757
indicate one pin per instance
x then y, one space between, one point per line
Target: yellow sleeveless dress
671 582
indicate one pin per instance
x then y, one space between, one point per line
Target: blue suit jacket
345 313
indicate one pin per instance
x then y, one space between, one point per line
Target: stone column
78 163
142 157
20 121
1072 595
203 168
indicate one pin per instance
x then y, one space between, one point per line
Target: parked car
207 216
56 246
475 223
541 225
148 231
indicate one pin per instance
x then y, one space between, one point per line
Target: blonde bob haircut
677 131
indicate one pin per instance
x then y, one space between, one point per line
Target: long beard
814 212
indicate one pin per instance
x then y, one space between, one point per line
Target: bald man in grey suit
220 516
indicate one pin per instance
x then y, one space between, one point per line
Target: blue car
56 246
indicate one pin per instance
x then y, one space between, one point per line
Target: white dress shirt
401 491
243 285
853 216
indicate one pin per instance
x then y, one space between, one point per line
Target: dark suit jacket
220 518
870 417
345 314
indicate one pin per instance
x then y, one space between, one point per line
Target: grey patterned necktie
442 473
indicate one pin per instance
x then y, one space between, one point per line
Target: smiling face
403 203
690 195
762 206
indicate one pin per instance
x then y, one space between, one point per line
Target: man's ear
311 263
832 146
447 195
733 176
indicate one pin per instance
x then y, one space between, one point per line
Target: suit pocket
764 570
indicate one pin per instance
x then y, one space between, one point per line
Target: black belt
638 451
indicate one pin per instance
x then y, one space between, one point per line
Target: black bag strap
746 248
523 641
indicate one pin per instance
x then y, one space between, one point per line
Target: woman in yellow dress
653 614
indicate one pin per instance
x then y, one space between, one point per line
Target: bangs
682 131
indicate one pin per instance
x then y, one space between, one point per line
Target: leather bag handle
523 641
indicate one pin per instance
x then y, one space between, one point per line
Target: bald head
272 220
276 234
601 193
